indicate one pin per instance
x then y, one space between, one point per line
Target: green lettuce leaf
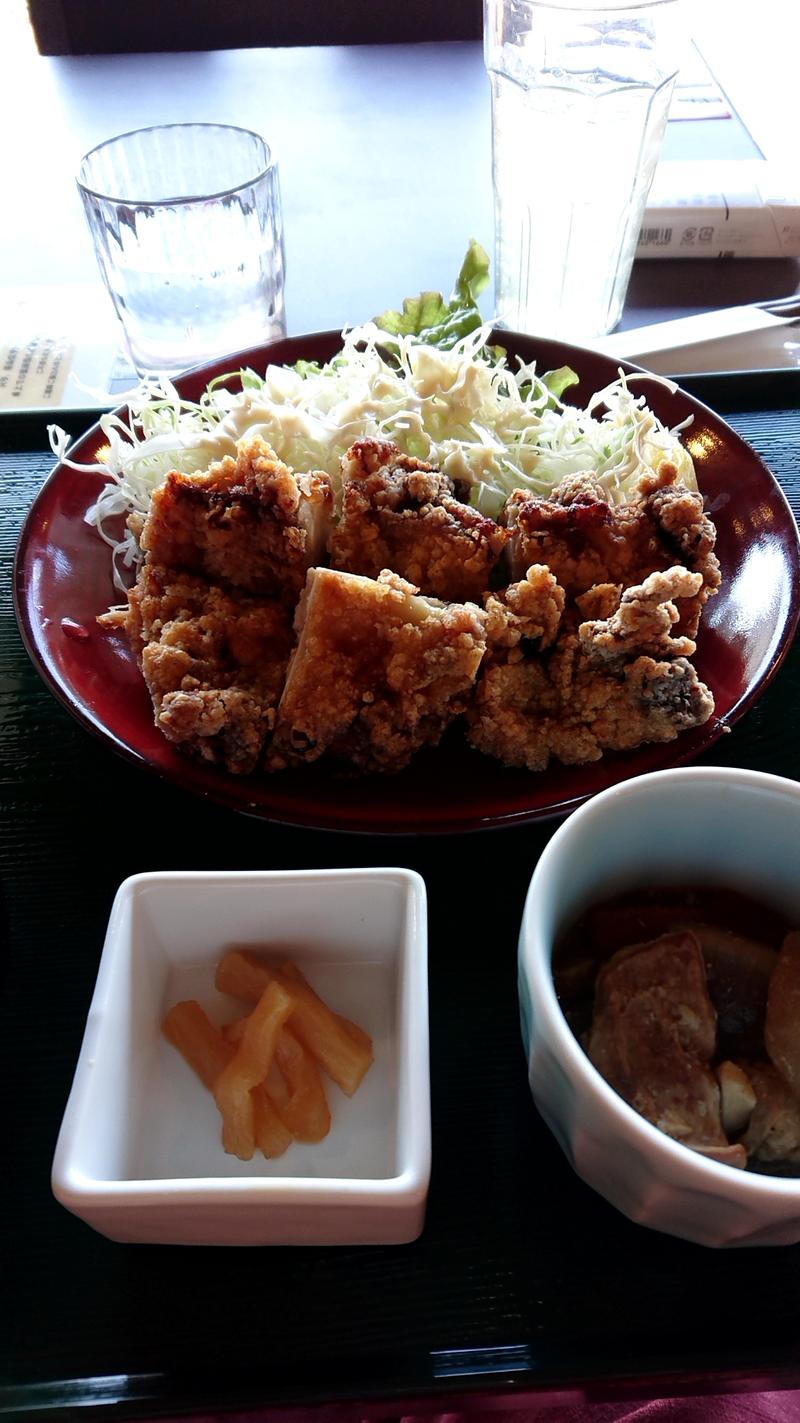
437 321
559 381
307 368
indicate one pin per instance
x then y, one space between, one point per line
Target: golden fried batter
643 620
528 612
399 513
377 673
248 522
214 662
585 541
609 686
584 652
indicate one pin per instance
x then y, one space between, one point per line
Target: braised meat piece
247 522
585 540
399 513
773 1132
739 970
214 663
653 1036
377 673
782 1026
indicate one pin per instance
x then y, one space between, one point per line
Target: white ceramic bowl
139 1155
693 825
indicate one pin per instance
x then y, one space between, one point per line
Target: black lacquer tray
523 1281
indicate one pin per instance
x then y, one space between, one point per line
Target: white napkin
736 338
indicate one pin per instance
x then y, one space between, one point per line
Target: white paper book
733 208
60 348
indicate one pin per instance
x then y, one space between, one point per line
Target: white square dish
139 1155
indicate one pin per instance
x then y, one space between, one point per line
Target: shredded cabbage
491 426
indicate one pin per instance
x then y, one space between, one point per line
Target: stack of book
730 208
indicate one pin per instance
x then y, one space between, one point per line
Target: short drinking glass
186 221
580 98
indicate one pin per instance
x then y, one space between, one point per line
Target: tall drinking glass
580 99
186 221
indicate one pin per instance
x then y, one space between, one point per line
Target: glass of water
580 99
186 222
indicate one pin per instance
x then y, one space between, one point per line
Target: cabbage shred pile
491 424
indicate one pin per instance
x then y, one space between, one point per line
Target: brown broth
737 985
641 915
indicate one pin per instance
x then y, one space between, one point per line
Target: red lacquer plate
63 580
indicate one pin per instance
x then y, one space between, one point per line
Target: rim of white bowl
750 1184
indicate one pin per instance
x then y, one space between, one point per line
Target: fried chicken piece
525 613
585 540
601 601
248 522
378 671
596 689
214 662
400 513
644 619
653 1036
530 713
